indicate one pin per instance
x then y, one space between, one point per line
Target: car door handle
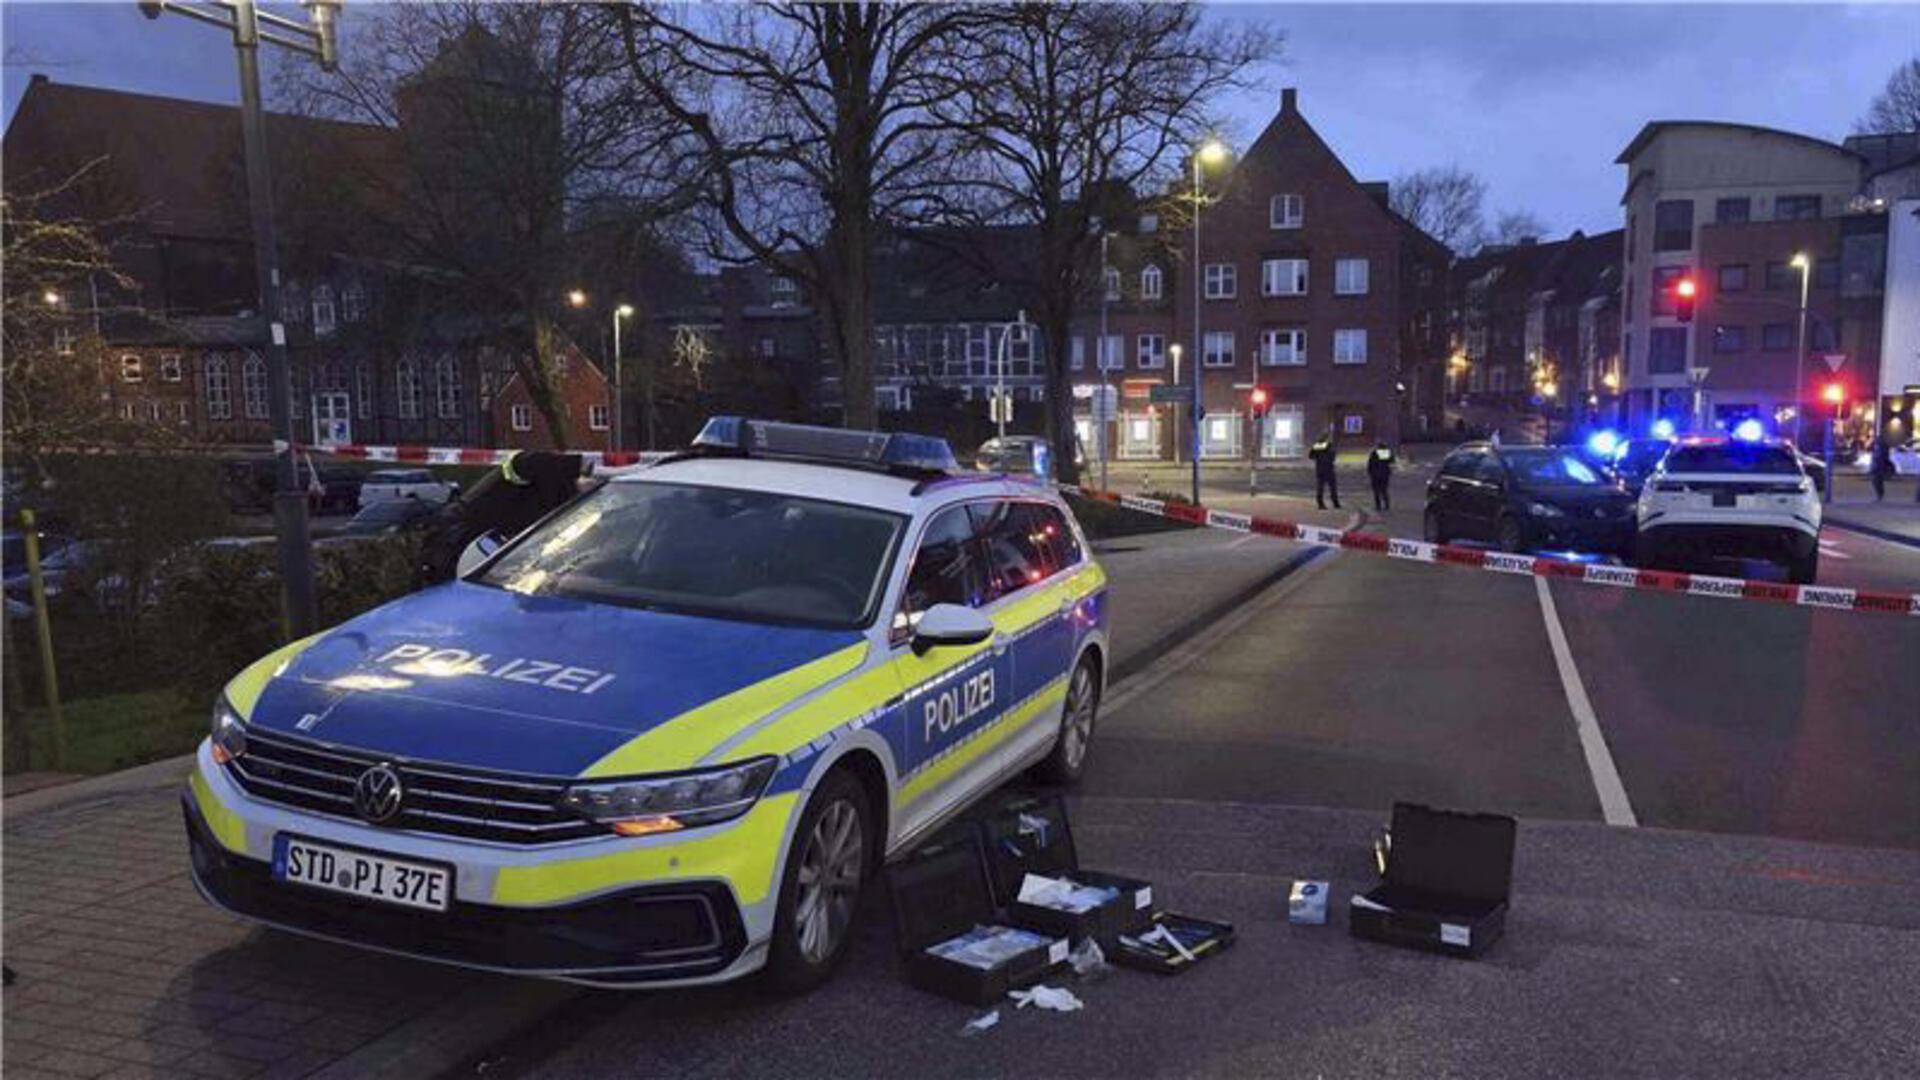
999 643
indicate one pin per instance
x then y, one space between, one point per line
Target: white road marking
1606 778
1830 550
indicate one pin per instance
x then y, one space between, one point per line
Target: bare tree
815 127
1447 202
1513 226
1897 108
1068 110
511 120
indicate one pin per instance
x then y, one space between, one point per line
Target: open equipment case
1447 882
941 895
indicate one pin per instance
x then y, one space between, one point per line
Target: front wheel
820 889
1068 761
1511 536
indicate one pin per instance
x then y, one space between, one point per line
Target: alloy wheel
829 882
1077 725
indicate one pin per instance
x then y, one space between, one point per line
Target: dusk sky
1537 98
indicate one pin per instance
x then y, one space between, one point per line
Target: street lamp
1174 351
624 311
576 298
51 298
319 38
1210 152
1802 263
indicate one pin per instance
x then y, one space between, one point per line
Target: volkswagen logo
377 794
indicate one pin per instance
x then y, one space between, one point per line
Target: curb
447 1037
1877 533
1140 659
154 774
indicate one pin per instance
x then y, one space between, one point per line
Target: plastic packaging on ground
1053 998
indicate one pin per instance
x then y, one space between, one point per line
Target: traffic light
1685 290
1834 394
1260 398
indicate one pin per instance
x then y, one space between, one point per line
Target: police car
665 735
1745 496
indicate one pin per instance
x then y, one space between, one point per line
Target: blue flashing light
807 442
1603 443
1663 428
1750 430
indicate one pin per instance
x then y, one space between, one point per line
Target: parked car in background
1526 497
58 556
1017 455
388 516
419 484
331 489
1635 460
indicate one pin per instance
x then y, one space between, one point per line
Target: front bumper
588 913
1610 535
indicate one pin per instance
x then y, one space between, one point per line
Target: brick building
1310 286
375 353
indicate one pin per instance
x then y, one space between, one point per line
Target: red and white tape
1500 562
467 455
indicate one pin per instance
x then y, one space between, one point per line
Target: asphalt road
1760 918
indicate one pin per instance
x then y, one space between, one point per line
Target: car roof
835 483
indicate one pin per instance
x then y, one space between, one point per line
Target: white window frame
1344 340
219 388
446 388
1077 353
979 340
520 416
1222 281
155 410
1343 276
323 310
1152 285
133 369
63 342
170 367
768 348
253 387
1286 211
406 390
1209 349
1112 356
1150 351
353 302
129 410
1294 339
1111 278
1353 424
598 417
1233 423
1295 273
183 411
783 291
363 391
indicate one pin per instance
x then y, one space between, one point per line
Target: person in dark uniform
1380 465
1880 467
524 489
1324 482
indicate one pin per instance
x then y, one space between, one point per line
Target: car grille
438 799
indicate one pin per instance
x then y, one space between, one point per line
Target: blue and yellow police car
664 736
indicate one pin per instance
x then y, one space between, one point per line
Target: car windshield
1536 467
749 555
1733 458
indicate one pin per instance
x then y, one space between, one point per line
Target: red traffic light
1685 290
1258 399
1259 395
1833 393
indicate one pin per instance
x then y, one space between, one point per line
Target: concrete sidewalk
1895 518
123 971
1628 953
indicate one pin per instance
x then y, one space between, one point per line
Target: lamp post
1804 264
624 311
1210 152
1100 357
1174 351
318 38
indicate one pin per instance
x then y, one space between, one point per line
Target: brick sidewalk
123 971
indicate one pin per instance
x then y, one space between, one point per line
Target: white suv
1731 498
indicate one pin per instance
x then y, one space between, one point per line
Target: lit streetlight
51 298
576 298
1210 152
1804 264
1174 350
624 311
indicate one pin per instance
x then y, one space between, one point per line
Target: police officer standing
1379 472
1324 481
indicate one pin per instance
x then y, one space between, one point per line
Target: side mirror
950 624
477 552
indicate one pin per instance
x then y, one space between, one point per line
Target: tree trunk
853 316
537 369
1057 327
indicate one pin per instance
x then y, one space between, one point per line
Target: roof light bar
807 442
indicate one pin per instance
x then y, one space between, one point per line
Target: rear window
1643 455
1733 458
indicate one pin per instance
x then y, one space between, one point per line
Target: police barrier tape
1500 562
466 455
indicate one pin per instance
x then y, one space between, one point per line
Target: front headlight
229 734
660 804
1546 510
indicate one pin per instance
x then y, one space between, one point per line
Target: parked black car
1636 459
390 516
249 486
1527 497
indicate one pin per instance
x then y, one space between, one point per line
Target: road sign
1166 394
1106 402
1834 360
